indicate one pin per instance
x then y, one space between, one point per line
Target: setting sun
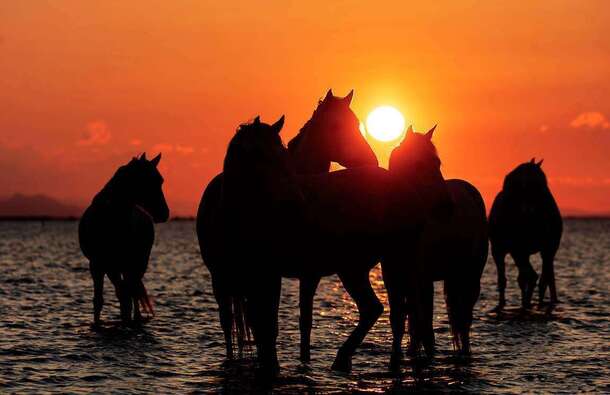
385 123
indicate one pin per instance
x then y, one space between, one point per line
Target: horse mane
323 107
115 184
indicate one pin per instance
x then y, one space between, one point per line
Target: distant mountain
25 206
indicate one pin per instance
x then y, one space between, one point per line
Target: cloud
162 147
96 133
185 150
591 119
135 142
180 149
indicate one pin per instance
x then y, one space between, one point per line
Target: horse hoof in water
412 350
342 364
266 374
305 355
395 362
498 308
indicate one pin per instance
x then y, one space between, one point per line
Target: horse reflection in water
116 234
451 246
332 134
525 220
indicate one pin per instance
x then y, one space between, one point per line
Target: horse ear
533 160
430 132
540 162
257 120
329 95
278 125
410 129
348 99
155 161
143 156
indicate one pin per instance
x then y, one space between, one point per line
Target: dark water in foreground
46 343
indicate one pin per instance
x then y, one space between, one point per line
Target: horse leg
370 309
307 291
398 313
263 305
225 312
122 294
527 279
425 312
132 283
499 259
97 275
461 294
547 277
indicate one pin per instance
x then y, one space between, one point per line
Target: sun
385 123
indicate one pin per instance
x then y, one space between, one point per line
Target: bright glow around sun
385 123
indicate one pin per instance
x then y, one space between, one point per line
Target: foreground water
47 343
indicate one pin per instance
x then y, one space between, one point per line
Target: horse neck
307 155
430 192
114 194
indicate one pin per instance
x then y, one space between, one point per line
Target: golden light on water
385 123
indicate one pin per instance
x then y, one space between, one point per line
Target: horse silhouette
116 234
278 224
451 247
332 134
524 220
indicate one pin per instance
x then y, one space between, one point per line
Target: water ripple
48 345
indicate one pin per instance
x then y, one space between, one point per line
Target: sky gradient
84 86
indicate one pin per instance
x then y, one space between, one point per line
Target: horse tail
143 298
241 327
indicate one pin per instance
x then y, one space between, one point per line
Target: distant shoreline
188 218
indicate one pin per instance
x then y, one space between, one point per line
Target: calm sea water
47 344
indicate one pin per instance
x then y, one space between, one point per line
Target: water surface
47 344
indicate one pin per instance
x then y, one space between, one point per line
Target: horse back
350 201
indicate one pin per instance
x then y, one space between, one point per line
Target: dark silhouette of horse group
277 211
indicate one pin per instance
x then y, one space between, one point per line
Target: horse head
526 184
331 135
415 163
257 167
142 183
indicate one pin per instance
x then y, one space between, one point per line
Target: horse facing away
116 234
332 134
279 225
452 247
524 220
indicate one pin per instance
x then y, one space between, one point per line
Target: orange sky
86 85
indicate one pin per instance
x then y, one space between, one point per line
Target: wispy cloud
591 119
135 142
96 133
180 149
184 149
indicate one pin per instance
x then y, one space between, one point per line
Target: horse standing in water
452 247
524 220
281 225
116 234
332 134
